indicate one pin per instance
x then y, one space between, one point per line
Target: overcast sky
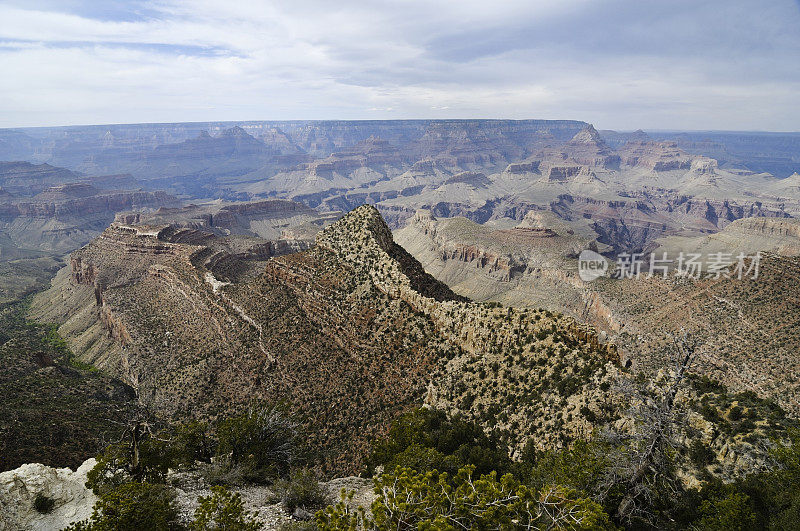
620 64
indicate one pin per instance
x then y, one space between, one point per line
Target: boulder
72 501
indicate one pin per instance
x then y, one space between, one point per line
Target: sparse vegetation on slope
350 334
54 409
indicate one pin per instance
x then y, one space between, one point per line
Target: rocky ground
73 502
20 487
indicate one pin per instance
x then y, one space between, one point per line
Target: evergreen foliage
425 439
262 437
132 506
436 501
223 510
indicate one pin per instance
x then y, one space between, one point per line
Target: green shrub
424 439
43 504
709 412
588 414
263 437
223 510
420 457
433 500
301 491
132 507
704 384
731 513
579 467
116 465
342 516
190 442
700 454
222 472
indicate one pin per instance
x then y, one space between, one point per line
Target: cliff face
531 265
634 223
493 261
49 211
269 219
655 156
33 177
76 208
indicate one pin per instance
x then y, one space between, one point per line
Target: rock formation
55 210
19 488
655 156
350 331
587 147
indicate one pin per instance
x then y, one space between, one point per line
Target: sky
619 64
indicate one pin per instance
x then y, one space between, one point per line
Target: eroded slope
350 331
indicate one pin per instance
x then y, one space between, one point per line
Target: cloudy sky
620 64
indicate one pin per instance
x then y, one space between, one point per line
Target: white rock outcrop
19 488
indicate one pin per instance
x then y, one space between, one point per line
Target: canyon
357 270
349 330
746 326
44 209
628 189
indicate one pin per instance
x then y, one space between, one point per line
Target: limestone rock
20 487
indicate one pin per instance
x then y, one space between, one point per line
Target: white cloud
617 63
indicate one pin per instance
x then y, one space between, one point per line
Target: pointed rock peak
356 231
793 179
203 134
588 135
639 136
235 131
362 239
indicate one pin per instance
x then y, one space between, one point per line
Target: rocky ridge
351 332
353 320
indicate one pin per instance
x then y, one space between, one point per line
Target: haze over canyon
354 271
